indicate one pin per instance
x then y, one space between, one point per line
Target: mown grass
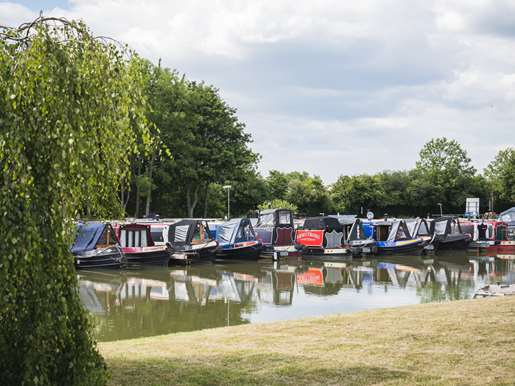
469 342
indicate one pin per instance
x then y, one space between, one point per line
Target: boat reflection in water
153 301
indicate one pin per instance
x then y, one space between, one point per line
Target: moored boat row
273 234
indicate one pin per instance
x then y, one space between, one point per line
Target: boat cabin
321 234
235 231
419 227
96 246
135 236
275 227
395 237
94 235
447 234
444 226
189 232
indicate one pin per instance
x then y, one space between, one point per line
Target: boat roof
134 226
88 235
344 219
182 232
228 231
508 215
268 211
321 222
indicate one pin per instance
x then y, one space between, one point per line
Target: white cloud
329 86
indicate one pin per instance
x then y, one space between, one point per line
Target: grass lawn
463 342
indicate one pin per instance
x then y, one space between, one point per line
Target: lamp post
441 210
228 188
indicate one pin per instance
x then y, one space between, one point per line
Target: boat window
107 238
157 235
501 232
423 230
266 220
143 238
401 234
130 242
201 235
123 238
382 232
511 233
411 227
181 233
284 218
245 233
440 227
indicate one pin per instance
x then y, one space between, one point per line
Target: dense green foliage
209 145
71 117
278 203
501 175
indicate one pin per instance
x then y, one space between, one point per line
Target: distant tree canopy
443 174
72 115
208 144
501 175
278 203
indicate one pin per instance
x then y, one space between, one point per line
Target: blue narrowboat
96 246
359 242
394 237
237 240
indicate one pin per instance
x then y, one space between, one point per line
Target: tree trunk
149 193
206 198
192 204
124 197
136 211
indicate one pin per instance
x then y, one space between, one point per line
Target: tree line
207 147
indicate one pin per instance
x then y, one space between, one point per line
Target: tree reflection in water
154 301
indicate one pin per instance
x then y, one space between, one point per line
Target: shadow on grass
250 370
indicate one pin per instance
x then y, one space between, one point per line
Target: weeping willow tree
72 114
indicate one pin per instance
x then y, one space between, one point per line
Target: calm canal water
153 301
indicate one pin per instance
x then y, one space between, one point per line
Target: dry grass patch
463 342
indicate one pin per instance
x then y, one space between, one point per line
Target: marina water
150 301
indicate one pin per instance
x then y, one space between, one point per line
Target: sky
330 87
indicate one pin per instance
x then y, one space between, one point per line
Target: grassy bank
463 342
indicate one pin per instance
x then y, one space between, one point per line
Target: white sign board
472 207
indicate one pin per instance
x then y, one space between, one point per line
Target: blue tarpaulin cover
88 235
235 231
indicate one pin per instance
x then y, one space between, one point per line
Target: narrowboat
420 228
322 236
237 240
274 228
358 242
506 245
447 234
191 240
138 245
486 234
394 237
96 246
